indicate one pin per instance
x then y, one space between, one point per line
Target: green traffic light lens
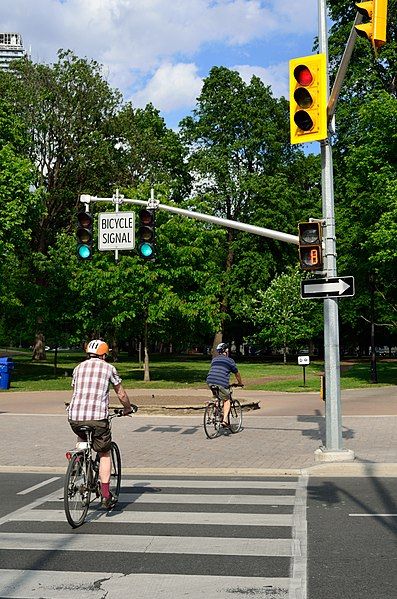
146 250
84 252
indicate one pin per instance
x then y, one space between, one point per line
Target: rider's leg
226 410
105 465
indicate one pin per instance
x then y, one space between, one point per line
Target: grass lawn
191 371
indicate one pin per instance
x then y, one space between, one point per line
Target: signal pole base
322 454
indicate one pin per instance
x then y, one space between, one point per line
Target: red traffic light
303 75
308 98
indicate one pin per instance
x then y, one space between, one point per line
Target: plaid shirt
90 382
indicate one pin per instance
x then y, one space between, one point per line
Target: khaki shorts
101 437
223 393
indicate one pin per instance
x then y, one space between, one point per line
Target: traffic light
84 235
375 29
310 246
147 224
308 98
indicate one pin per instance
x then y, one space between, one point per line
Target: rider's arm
123 398
238 377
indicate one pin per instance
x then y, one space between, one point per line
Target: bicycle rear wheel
235 416
115 473
76 495
212 420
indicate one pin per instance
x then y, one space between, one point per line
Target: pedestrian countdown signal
310 246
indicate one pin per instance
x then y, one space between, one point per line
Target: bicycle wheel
235 416
211 420
76 495
115 473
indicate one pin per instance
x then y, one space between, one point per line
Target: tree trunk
217 339
115 350
39 348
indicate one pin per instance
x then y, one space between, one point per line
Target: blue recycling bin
6 365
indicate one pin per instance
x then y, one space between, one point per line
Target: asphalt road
352 532
265 537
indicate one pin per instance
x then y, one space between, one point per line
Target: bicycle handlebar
118 412
236 385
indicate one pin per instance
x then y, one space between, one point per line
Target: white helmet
97 347
222 347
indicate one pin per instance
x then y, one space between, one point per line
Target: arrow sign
321 288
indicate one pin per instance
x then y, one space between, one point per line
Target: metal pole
223 222
333 418
344 63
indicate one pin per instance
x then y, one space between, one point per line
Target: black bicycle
213 413
82 475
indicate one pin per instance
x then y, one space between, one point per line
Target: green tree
245 169
365 174
284 319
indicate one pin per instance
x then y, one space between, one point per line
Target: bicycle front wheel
211 420
115 473
235 416
76 495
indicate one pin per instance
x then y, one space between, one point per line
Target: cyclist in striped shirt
90 405
219 374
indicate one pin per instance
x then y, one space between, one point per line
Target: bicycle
82 475
213 413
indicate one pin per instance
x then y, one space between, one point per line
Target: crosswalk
169 537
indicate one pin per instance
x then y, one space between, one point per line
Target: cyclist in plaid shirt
90 405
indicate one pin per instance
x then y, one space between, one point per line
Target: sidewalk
279 437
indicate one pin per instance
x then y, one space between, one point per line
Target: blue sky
159 51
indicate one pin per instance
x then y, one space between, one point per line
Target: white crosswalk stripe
238 519
221 543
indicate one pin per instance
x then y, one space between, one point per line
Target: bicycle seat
82 430
214 389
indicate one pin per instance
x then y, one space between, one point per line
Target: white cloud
173 86
276 76
135 38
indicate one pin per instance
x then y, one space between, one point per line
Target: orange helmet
97 347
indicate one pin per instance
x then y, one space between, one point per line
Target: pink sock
105 490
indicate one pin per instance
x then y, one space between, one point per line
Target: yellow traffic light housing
310 246
308 98
375 29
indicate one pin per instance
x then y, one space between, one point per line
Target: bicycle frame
213 413
82 477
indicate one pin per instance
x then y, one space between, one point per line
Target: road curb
353 470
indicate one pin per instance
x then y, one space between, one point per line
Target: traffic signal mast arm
223 222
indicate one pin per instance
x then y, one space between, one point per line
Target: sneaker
109 502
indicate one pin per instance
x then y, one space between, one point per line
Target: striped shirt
221 367
90 382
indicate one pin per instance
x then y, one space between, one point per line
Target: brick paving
282 435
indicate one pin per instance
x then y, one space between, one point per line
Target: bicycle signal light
84 235
147 225
308 98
